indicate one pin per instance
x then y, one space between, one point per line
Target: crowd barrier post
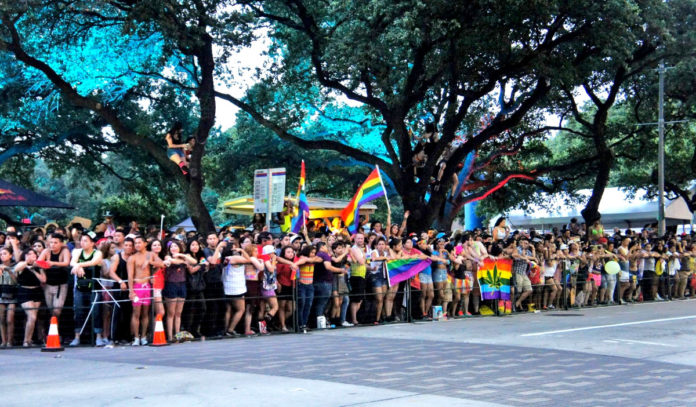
295 326
92 339
409 306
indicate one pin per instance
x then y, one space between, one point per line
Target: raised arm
403 224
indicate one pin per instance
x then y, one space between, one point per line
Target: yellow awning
319 208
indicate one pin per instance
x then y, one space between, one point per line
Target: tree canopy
94 85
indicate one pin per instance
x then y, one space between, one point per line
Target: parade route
637 355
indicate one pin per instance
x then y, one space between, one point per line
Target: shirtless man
139 288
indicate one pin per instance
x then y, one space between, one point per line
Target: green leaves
493 279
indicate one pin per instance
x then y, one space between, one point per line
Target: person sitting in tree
175 146
420 156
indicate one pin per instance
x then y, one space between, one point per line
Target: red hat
602 240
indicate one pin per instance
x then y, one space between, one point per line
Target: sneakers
346 324
658 298
100 342
109 345
551 306
136 342
460 313
143 341
75 342
263 329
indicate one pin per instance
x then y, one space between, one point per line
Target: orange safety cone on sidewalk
158 338
53 340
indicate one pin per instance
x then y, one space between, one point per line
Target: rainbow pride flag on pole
402 269
299 220
302 210
370 190
494 277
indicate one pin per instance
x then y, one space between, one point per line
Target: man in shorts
358 270
521 259
139 292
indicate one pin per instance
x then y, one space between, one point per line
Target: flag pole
386 197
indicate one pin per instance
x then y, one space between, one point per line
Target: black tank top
92 271
122 268
57 275
27 278
459 270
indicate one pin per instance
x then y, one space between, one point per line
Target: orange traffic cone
158 338
53 340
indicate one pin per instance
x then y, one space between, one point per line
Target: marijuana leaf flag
494 278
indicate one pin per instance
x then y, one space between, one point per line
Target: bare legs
7 313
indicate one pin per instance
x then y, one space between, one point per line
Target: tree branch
307 144
127 135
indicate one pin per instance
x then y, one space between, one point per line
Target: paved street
636 355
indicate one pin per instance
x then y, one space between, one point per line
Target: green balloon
612 267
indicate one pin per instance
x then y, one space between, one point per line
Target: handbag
83 285
197 281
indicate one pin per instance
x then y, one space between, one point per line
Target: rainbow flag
402 269
299 220
300 186
302 211
494 277
370 190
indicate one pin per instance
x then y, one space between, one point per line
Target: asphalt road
638 355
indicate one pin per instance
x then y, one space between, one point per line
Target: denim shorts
377 280
439 275
171 152
174 290
425 278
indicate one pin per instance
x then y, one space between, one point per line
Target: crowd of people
114 280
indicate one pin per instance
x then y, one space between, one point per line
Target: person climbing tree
175 146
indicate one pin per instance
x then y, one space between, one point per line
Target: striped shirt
307 273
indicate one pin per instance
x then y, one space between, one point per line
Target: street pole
268 201
661 152
661 229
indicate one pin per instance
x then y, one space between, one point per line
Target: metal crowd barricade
208 318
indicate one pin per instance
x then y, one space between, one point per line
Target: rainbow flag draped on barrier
402 269
494 278
370 190
302 213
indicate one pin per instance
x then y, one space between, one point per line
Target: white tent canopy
187 224
617 210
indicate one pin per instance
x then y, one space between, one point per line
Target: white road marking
647 343
587 328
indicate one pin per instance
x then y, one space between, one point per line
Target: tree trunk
450 212
206 97
196 208
591 211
